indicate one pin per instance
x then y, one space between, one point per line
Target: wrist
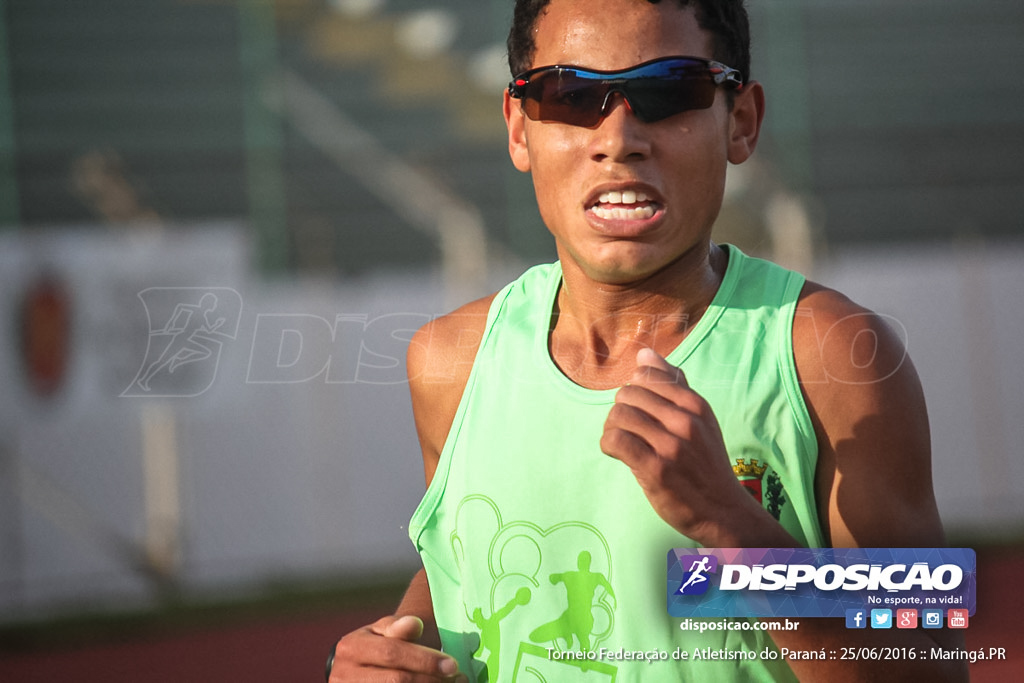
746 525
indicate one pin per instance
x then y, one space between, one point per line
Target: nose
620 135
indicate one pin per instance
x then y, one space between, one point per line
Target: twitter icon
881 618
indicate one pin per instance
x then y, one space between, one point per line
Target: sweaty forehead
616 34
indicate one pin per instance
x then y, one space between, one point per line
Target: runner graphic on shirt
578 619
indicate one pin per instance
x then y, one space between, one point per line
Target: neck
597 328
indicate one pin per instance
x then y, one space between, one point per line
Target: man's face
677 163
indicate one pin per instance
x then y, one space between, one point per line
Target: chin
621 262
636 264
623 273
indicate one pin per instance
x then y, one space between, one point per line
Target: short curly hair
726 20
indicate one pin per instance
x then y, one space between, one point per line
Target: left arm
873 477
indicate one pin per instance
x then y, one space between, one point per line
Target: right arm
438 362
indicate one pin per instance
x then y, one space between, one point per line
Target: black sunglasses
654 90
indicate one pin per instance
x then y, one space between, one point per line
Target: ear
515 121
745 121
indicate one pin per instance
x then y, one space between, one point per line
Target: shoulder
852 364
443 350
841 347
438 362
439 350
841 343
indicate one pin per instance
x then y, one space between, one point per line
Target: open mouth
627 205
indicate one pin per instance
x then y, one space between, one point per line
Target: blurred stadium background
334 173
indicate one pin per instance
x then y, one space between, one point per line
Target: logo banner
817 582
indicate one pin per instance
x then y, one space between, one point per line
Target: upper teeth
627 197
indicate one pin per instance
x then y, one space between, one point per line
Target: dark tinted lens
656 98
563 96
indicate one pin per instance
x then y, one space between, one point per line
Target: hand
388 647
666 433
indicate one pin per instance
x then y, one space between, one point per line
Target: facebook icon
856 618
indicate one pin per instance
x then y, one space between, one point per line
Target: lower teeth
639 213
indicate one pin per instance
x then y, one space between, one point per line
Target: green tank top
544 558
